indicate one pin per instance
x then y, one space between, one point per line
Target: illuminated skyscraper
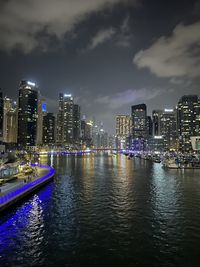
95 134
10 121
139 127
12 126
88 130
149 126
65 119
49 129
188 120
168 128
76 123
139 121
42 110
123 126
83 130
102 137
123 130
156 121
7 106
27 114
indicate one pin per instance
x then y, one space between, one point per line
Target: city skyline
27 123
99 133
108 56
55 109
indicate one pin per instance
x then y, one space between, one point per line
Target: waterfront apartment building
156 114
10 121
27 114
48 129
139 127
42 110
65 119
149 126
76 123
139 121
83 130
123 130
88 130
95 134
102 138
188 120
7 107
168 128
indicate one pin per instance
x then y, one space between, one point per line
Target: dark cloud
22 22
89 47
128 97
177 55
101 37
125 35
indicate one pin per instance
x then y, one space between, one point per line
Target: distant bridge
42 152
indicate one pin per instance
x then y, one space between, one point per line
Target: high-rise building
42 110
188 120
88 130
123 126
156 121
88 133
102 138
111 141
10 121
95 135
123 130
139 121
149 126
139 127
7 107
1 115
27 114
48 129
168 128
83 130
65 119
104 141
12 126
76 123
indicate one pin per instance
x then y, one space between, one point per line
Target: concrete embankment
10 198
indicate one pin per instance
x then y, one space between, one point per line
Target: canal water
104 210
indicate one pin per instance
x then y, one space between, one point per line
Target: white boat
170 163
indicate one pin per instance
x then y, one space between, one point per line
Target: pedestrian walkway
22 179
25 185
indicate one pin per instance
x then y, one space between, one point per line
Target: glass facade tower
27 114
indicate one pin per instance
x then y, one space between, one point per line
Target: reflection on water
104 210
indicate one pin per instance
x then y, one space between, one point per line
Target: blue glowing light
20 218
44 107
64 152
8 197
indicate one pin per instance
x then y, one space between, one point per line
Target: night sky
109 54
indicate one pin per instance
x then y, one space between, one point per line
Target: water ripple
106 211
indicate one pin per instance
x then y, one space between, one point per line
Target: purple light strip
68 153
63 153
13 194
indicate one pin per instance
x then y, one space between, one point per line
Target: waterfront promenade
11 192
